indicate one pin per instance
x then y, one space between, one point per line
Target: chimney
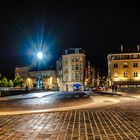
121 48
138 48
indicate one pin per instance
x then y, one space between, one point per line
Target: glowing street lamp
40 55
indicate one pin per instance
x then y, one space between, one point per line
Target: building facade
73 72
38 79
124 69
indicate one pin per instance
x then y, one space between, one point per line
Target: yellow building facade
38 79
73 70
124 69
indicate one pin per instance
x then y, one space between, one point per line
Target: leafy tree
103 81
18 81
10 83
4 82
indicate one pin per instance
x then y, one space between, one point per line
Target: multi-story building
124 69
73 71
40 79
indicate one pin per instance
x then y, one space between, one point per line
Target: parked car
99 89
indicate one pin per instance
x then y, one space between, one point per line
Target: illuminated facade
73 72
73 69
38 79
124 69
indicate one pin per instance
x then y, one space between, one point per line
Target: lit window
125 74
135 74
125 65
115 74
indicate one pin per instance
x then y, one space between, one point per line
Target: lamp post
39 56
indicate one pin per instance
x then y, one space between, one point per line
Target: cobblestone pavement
120 121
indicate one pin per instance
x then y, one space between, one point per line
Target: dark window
115 65
77 67
135 65
135 74
125 74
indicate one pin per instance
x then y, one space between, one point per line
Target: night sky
99 28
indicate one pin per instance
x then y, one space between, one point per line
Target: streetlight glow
40 55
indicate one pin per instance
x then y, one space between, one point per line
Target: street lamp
40 57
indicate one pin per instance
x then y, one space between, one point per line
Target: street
57 116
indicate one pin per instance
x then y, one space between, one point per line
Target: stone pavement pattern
115 122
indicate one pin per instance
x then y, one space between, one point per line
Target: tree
103 81
10 83
18 81
4 82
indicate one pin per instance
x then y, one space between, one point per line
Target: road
96 117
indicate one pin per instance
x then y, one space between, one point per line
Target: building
38 79
73 71
124 69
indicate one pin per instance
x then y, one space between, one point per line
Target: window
72 67
115 65
66 77
80 66
77 59
66 68
66 60
125 74
72 78
135 65
77 67
135 74
77 77
72 59
115 74
125 65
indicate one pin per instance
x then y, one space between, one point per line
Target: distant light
40 55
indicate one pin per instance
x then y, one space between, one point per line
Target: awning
77 85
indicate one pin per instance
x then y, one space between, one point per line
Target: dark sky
98 27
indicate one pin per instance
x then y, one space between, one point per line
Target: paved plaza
116 120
